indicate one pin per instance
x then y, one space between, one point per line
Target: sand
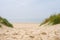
30 31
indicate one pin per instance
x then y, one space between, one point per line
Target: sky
28 10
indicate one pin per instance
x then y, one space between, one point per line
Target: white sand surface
30 31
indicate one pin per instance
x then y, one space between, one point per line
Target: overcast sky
28 10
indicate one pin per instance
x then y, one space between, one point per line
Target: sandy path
30 32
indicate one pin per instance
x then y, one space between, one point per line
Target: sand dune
30 32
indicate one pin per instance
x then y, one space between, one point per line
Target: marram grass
5 22
53 19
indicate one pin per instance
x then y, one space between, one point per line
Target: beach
30 31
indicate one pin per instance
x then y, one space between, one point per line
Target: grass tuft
53 19
5 22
